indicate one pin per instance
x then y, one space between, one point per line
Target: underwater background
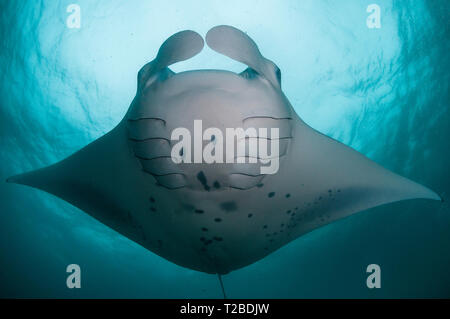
383 91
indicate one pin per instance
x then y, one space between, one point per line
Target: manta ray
216 217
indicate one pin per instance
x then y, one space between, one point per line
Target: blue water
384 92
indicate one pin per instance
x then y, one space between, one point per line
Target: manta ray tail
221 286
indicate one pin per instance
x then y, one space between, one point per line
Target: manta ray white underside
216 217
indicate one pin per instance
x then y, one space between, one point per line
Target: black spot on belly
202 178
271 194
260 185
228 206
152 200
204 229
265 226
217 238
250 215
199 211
288 195
216 185
218 220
